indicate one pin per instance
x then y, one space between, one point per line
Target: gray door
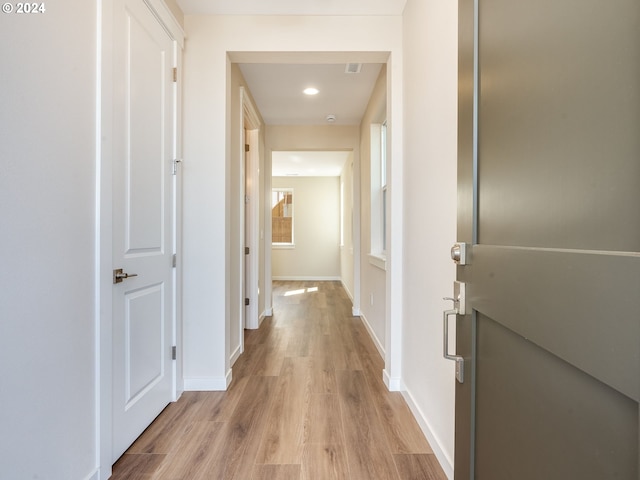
549 205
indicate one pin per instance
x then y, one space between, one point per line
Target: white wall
347 266
430 109
316 230
373 278
47 189
206 182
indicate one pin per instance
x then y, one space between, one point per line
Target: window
383 184
342 212
282 216
379 194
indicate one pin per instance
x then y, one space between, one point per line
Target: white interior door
143 305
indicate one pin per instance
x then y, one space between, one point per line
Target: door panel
143 310
573 304
572 68
549 184
144 340
563 422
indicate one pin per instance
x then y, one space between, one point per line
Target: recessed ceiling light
311 91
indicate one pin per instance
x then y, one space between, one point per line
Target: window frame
284 190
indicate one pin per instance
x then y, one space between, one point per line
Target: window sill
378 260
283 246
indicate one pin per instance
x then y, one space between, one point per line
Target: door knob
119 275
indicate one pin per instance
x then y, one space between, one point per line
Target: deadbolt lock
459 253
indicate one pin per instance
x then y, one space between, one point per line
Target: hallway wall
430 108
316 230
373 279
48 313
347 265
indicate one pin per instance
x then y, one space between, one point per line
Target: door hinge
174 353
176 161
246 250
246 302
174 260
246 147
175 74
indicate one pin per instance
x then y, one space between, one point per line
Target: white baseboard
346 289
207 384
312 278
354 311
445 461
373 336
394 384
95 475
235 355
268 312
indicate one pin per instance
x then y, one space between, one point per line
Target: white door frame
106 92
251 199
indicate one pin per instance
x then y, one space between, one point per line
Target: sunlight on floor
300 291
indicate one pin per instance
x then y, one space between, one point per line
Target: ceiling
292 7
277 91
308 164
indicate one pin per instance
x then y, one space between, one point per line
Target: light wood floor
307 402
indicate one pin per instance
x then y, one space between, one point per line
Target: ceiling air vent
353 68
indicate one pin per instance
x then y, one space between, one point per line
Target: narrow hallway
307 402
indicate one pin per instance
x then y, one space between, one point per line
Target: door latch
119 275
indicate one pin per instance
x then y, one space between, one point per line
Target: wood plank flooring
307 402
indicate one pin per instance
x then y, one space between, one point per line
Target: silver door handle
119 275
456 358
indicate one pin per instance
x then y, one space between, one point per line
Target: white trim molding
303 278
394 384
373 336
167 20
236 354
436 445
95 475
378 260
208 384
